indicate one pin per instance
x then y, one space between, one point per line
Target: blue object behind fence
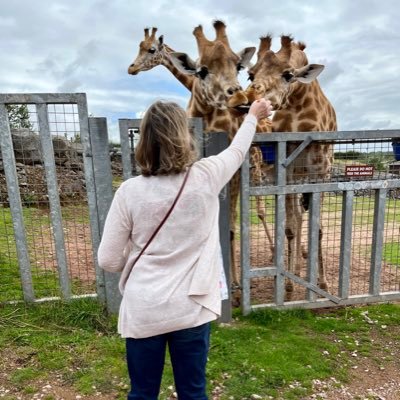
268 152
396 150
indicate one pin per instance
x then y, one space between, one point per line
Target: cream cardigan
175 284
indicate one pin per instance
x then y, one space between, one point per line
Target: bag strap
164 219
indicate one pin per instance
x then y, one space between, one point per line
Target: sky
86 46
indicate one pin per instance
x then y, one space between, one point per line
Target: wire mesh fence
353 162
63 123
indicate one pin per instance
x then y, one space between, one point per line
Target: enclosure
58 174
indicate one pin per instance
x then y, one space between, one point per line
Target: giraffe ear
183 62
245 56
308 73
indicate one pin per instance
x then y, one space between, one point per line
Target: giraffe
289 82
214 87
153 52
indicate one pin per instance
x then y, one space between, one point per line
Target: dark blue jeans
188 349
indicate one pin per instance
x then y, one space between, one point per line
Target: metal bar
280 224
54 200
261 272
103 189
38 98
377 242
345 244
311 286
216 143
297 151
245 234
90 183
323 303
126 152
54 298
335 135
324 187
314 225
14 199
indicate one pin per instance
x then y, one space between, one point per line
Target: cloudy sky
86 46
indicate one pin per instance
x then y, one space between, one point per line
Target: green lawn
267 353
37 224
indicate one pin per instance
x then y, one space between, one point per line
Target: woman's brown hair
165 145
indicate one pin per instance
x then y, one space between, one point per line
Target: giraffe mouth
243 108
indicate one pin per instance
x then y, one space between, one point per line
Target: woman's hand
261 109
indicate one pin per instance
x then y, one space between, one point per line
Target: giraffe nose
132 69
232 90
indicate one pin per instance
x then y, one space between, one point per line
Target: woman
173 290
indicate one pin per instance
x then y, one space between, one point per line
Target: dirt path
376 377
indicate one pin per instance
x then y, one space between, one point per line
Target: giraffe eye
239 67
202 72
287 76
251 77
152 50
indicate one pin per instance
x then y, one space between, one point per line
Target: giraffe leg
235 279
261 216
290 232
322 283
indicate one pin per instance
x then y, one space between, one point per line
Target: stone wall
31 174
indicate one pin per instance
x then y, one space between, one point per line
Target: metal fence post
127 156
107 283
215 144
14 199
54 200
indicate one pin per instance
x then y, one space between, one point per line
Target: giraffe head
151 53
217 68
276 76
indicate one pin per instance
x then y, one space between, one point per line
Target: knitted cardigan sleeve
222 166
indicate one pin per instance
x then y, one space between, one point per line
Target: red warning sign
359 170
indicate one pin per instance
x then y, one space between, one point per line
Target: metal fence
49 224
57 181
356 205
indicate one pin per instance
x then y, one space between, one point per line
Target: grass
37 223
266 353
391 253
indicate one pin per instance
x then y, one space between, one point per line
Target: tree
18 116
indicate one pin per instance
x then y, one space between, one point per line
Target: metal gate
51 204
357 208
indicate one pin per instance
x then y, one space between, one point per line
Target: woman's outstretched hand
261 109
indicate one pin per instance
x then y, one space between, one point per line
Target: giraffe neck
186 80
